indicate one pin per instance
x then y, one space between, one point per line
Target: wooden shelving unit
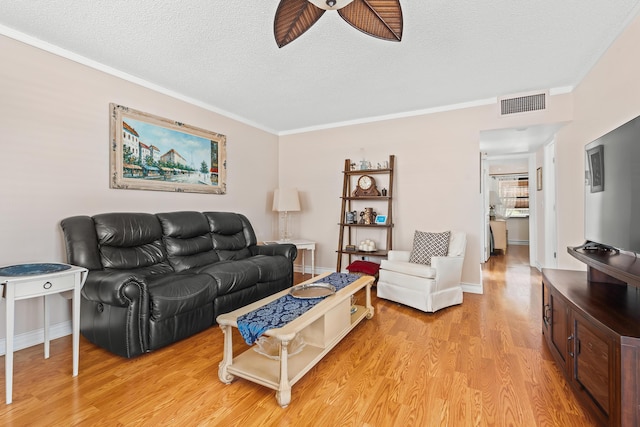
351 202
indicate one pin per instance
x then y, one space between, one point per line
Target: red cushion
366 267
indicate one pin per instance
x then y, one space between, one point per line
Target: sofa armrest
395 255
114 313
287 250
114 288
448 271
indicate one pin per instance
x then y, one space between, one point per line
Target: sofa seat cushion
271 267
232 276
173 294
410 268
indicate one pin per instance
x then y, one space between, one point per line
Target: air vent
523 104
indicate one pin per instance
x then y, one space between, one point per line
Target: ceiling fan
378 18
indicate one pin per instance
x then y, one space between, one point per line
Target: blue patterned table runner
279 312
32 269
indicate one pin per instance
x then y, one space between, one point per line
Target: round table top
32 269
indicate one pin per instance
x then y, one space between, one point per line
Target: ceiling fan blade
378 18
293 18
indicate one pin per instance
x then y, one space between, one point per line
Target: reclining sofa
155 279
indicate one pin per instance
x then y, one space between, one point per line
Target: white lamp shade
286 200
322 4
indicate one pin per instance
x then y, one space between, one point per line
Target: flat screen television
612 189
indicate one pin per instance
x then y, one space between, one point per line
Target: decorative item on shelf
366 186
368 216
384 192
367 245
286 200
350 248
381 220
351 217
353 166
365 165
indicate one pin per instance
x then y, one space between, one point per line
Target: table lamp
286 200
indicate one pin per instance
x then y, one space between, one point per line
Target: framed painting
595 157
148 152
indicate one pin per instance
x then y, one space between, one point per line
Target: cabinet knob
546 317
47 285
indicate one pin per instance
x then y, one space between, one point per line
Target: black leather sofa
157 278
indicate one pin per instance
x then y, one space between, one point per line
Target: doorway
523 150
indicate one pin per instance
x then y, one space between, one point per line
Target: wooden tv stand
591 323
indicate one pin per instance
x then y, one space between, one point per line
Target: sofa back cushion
81 242
130 241
187 240
231 234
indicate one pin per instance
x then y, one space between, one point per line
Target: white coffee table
321 328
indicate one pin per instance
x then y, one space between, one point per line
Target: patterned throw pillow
427 245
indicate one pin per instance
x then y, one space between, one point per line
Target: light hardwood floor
483 363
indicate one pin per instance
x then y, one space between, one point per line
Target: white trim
480 102
561 90
472 288
36 337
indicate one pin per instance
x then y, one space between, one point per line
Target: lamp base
285 235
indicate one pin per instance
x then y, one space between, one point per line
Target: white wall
606 98
54 136
437 183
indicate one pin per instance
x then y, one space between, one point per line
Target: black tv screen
612 188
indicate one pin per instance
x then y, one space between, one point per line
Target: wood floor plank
482 363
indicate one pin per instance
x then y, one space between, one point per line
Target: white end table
25 281
304 245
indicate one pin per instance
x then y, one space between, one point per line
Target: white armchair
427 288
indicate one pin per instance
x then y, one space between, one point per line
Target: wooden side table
301 244
25 281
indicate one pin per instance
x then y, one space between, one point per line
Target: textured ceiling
222 54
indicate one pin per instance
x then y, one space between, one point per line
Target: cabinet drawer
43 286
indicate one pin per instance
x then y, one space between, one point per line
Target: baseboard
319 270
518 242
472 288
36 337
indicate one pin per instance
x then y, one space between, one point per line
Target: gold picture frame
539 179
148 152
